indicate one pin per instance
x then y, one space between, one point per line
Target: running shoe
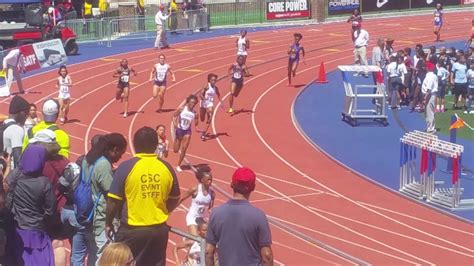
203 137
230 110
124 114
471 112
178 168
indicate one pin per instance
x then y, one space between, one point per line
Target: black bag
3 127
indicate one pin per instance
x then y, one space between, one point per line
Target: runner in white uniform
193 255
207 102
182 121
243 44
163 143
64 84
237 71
158 76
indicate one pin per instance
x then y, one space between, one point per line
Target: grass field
443 120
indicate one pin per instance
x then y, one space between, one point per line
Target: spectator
53 169
239 230
378 54
459 79
141 14
32 119
420 73
13 66
117 254
50 116
144 190
194 253
470 78
81 243
443 75
99 160
361 40
430 90
14 133
173 16
388 49
33 245
163 143
187 10
160 20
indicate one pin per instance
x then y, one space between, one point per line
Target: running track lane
292 185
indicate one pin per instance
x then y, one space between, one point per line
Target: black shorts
460 89
160 83
148 243
238 82
123 85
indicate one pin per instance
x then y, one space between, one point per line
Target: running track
297 184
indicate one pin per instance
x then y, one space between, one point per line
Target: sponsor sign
468 2
50 53
384 5
432 3
336 7
287 9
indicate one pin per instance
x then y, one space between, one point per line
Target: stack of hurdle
422 184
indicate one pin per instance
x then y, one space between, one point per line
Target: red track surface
298 185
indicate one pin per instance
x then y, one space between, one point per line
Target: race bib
124 78
201 210
185 123
437 19
64 88
237 75
160 76
209 98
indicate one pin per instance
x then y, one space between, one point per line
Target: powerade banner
432 3
336 7
286 9
384 5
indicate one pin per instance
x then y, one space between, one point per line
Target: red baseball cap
244 178
430 66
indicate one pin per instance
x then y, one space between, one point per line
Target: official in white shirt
160 20
361 40
13 66
429 88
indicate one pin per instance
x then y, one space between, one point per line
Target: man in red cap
429 88
239 229
160 20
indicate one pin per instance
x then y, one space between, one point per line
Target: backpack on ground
84 204
4 127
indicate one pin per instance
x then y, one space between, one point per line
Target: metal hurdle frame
351 112
425 187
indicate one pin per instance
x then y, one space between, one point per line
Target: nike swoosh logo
381 4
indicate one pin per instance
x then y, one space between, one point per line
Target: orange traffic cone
322 74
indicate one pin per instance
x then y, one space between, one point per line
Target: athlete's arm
175 117
70 81
188 194
247 44
201 95
267 256
289 49
303 52
246 71
230 69
153 73
172 74
117 73
211 204
134 72
210 250
196 120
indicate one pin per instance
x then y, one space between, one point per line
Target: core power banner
384 5
286 9
336 7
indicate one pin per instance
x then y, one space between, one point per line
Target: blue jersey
295 51
438 17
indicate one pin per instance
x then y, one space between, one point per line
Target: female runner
64 84
438 21
193 254
294 56
158 75
182 120
243 44
207 102
163 143
237 71
123 86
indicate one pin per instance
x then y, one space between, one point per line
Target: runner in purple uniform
294 56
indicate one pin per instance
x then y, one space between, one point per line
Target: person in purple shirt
239 229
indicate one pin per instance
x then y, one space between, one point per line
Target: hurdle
426 187
352 112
